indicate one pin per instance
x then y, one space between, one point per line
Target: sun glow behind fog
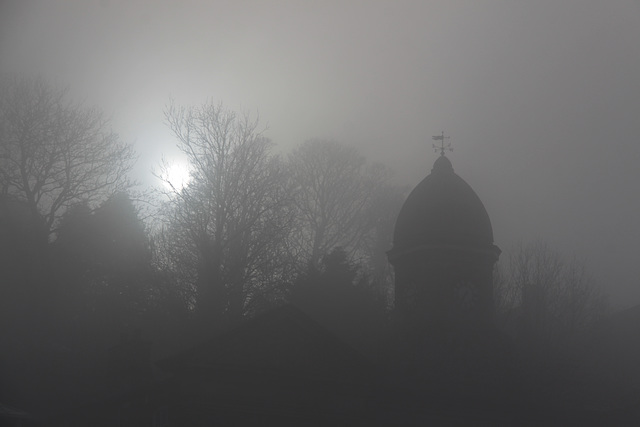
175 176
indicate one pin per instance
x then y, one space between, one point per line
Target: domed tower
443 254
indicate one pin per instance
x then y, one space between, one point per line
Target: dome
442 210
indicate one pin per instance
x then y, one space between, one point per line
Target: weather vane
442 147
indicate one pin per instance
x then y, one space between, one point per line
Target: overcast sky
541 98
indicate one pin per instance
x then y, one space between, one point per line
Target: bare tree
553 300
55 153
230 220
335 199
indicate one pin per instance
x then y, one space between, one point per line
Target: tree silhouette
103 266
335 199
341 297
55 153
230 221
549 301
21 270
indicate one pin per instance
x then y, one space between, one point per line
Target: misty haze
319 213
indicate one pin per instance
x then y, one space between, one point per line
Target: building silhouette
443 255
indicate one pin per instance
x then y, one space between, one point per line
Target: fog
540 101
